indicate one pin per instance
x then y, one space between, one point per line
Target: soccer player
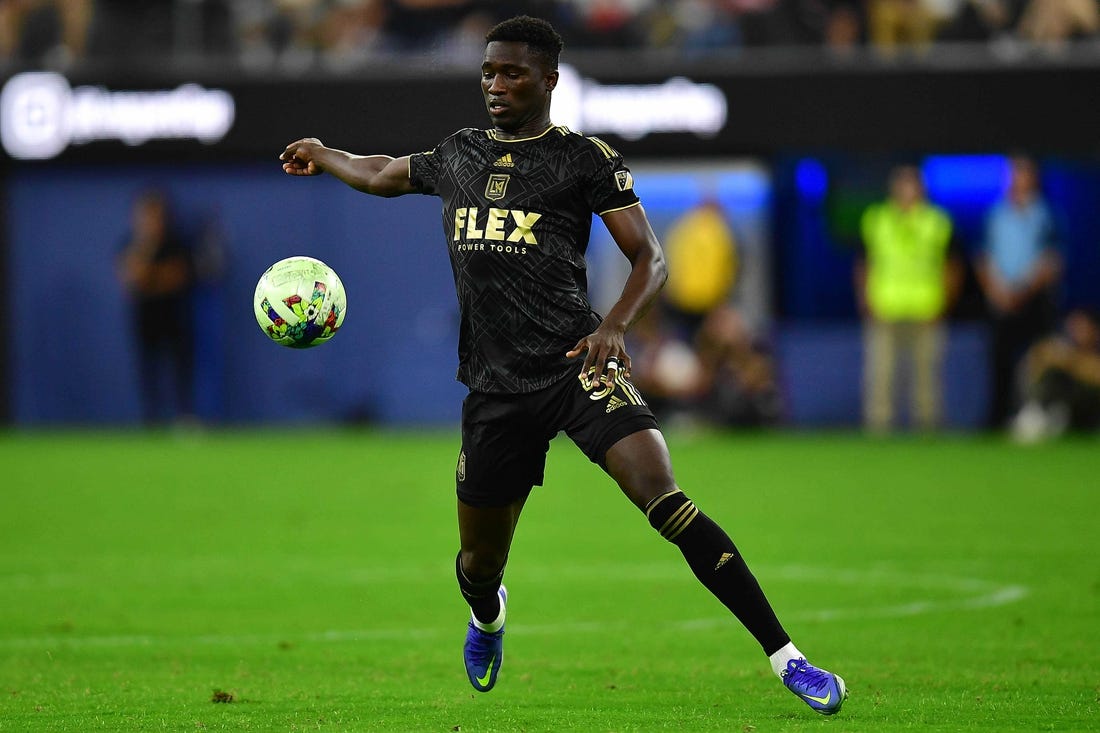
518 200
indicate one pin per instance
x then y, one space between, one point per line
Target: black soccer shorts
505 437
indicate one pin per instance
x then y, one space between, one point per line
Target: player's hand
299 157
604 356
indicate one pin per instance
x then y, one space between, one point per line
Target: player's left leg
640 464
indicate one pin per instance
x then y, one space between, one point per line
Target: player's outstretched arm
632 233
379 175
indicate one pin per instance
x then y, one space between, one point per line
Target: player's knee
644 487
480 565
641 467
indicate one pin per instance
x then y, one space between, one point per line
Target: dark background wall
825 137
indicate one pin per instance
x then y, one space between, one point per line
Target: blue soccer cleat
823 691
484 651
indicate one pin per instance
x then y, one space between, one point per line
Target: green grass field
308 573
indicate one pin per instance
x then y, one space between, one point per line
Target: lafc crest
497 186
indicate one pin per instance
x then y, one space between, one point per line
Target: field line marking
973 594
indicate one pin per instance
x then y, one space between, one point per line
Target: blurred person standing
701 248
905 285
156 270
1018 270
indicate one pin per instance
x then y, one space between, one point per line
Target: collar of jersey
493 135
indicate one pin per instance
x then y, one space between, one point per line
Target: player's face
516 87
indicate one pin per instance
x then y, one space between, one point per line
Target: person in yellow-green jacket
905 283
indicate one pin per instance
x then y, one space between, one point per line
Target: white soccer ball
300 302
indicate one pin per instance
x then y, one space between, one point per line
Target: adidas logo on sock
726 557
504 161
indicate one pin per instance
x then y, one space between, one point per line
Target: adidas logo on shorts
614 403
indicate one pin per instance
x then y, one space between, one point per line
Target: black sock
481 595
718 565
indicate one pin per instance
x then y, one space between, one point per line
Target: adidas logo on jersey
504 161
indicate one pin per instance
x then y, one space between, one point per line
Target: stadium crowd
295 35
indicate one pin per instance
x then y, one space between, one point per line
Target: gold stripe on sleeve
618 208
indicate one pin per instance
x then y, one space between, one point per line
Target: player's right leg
501 459
486 534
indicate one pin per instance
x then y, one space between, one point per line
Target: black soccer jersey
517 215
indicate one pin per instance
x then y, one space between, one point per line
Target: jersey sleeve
610 185
424 171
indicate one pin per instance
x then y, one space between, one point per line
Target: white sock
493 625
780 658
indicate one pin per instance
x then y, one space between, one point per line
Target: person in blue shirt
1018 270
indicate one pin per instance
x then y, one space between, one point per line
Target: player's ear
551 80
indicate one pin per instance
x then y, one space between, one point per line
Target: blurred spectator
781 22
1051 23
53 33
467 39
695 354
692 26
844 27
977 20
702 257
419 25
156 270
724 376
126 32
353 32
739 383
343 35
1018 270
282 32
905 285
897 24
1061 381
665 367
608 23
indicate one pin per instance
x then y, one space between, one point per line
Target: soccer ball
300 302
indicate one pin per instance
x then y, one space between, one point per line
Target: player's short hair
542 40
